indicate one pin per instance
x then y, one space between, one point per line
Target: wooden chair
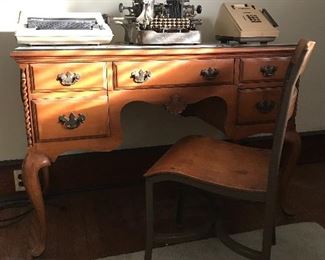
230 169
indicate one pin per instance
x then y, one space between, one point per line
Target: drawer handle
265 106
268 70
68 78
140 76
72 121
209 73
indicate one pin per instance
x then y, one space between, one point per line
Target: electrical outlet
19 184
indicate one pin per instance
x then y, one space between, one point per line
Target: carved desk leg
33 162
45 172
292 148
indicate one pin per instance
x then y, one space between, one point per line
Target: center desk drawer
149 74
68 76
71 118
264 69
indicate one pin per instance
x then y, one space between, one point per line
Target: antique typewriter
172 22
63 29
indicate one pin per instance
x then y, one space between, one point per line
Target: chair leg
269 228
149 220
180 208
267 242
274 236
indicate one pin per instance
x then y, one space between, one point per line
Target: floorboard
99 223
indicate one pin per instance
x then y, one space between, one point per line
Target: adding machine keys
172 22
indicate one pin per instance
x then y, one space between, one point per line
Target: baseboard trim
89 171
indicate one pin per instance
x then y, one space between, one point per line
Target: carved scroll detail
24 96
176 105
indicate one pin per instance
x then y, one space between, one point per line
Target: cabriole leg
32 164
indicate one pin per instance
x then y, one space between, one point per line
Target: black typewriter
172 22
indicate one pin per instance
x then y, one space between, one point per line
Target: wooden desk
73 97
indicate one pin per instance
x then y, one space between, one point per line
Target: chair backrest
296 68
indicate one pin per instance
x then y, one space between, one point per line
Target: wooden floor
94 224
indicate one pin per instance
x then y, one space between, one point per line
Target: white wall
146 125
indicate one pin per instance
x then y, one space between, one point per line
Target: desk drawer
258 105
71 118
68 76
149 74
263 69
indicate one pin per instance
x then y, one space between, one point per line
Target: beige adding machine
245 23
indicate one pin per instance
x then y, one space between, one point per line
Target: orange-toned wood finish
46 77
73 98
47 112
252 68
171 73
217 158
250 105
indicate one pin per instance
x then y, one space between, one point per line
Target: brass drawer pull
209 73
140 76
72 121
265 106
68 78
268 70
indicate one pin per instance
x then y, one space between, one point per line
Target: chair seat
216 162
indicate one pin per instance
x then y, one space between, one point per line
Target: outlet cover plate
18 181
